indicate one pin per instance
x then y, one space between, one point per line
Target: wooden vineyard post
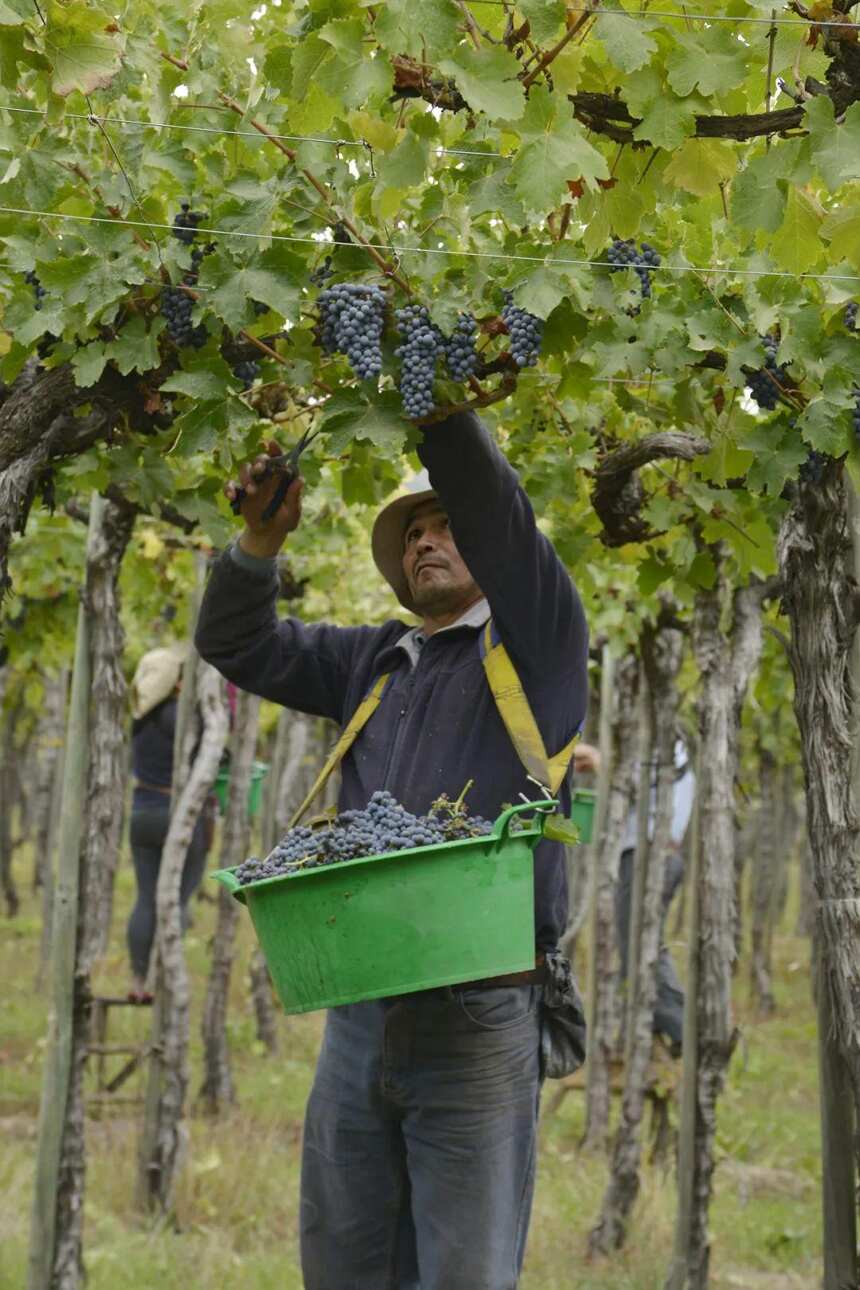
57 1070
597 1071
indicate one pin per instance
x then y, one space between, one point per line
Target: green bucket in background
404 921
582 812
259 770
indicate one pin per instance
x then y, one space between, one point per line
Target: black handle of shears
287 466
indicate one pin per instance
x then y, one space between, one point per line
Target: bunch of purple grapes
383 826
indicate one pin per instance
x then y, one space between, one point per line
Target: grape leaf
84 47
700 165
834 148
554 149
627 40
709 61
487 79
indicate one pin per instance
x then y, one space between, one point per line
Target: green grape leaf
88 363
711 61
797 246
546 19
136 348
554 149
627 40
699 166
487 79
83 46
835 149
560 829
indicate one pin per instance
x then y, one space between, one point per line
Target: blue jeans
419 1148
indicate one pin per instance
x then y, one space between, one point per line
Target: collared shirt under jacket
437 725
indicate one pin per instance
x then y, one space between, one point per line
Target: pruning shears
285 464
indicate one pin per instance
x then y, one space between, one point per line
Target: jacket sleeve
302 666
535 606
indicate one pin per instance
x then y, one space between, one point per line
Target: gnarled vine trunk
103 819
819 554
217 1087
603 966
727 645
764 871
164 1135
662 648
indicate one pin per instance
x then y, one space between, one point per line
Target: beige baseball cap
388 531
156 676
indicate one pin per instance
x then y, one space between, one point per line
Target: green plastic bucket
404 921
259 770
582 812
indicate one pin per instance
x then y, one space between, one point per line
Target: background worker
420 1134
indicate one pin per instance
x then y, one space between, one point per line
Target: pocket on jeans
498 1008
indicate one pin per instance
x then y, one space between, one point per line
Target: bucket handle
503 823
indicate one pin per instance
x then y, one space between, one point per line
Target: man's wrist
258 546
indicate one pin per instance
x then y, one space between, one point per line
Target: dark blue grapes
812 470
850 317
259 308
461 356
423 343
352 318
38 290
525 331
247 373
624 255
185 223
177 307
384 826
767 383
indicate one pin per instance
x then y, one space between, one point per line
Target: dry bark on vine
604 957
218 1088
727 645
164 1135
662 650
819 559
103 818
107 540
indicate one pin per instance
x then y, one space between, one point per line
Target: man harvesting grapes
419 1146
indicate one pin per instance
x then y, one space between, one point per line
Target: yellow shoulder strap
513 708
519 719
357 721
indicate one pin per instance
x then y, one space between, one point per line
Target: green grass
237 1200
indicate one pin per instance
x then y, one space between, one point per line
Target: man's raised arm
535 605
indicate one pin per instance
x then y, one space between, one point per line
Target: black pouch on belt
562 1029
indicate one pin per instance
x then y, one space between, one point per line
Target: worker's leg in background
147 833
669 1006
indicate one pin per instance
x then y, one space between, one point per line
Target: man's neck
433 622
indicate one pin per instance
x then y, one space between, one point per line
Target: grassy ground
238 1195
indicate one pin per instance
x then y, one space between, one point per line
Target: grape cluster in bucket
383 826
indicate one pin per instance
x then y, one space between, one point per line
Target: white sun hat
388 532
156 676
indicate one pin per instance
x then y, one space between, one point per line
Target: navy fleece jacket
437 725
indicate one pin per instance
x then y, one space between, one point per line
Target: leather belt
153 788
